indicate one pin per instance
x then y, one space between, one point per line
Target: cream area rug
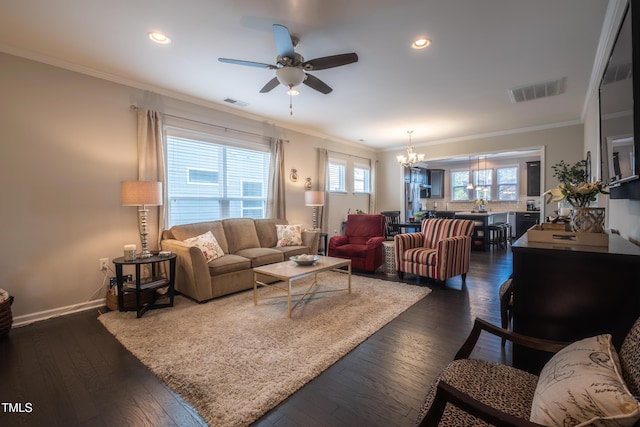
234 361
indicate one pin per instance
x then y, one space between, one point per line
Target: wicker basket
129 298
6 318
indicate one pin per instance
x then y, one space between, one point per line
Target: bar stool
498 235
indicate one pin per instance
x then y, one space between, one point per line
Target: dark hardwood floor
71 371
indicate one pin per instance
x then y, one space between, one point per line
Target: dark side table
152 283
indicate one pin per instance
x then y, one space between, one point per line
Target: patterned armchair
587 382
362 241
440 251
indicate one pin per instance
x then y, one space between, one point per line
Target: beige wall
67 141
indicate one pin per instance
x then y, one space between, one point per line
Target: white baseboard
27 319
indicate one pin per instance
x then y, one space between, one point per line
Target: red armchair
362 241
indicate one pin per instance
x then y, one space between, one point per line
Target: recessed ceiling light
421 43
159 38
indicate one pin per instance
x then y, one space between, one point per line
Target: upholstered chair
392 223
587 382
442 249
361 242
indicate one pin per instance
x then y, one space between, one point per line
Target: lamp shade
139 193
314 198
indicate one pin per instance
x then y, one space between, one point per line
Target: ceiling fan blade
247 63
270 85
317 84
283 41
330 61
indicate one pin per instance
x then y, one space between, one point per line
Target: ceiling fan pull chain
290 100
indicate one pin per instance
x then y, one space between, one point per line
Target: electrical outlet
104 264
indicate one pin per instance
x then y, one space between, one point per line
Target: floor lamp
315 199
142 194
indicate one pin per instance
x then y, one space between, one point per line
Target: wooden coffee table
289 271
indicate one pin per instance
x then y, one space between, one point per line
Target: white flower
555 194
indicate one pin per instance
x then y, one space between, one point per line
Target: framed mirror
619 115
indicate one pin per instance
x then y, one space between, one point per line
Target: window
507 182
202 176
482 180
337 175
361 180
210 177
459 182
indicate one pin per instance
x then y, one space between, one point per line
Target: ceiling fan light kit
291 68
290 76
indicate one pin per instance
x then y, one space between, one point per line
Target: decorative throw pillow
582 385
289 235
208 244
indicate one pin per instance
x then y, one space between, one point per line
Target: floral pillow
289 235
208 244
582 385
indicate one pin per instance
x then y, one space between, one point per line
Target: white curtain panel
276 202
323 166
151 166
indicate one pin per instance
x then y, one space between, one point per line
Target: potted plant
575 189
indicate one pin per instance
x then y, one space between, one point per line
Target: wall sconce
293 176
307 184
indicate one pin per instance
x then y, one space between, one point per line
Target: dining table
408 226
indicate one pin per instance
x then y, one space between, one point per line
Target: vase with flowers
575 189
479 205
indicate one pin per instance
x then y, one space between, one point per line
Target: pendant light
470 184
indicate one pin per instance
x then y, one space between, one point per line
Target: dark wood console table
571 292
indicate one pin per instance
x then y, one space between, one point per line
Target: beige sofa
246 243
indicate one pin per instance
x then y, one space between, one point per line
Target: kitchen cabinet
526 220
436 180
416 175
533 178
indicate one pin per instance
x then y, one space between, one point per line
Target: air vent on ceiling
616 73
537 90
236 102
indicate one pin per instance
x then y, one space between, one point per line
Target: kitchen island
480 239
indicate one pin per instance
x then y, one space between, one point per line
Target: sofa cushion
289 235
207 244
261 256
351 251
424 256
186 231
241 234
289 251
583 383
228 264
266 229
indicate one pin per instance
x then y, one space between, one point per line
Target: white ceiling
455 88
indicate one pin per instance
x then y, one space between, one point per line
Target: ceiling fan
291 68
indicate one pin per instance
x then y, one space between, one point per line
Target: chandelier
411 158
